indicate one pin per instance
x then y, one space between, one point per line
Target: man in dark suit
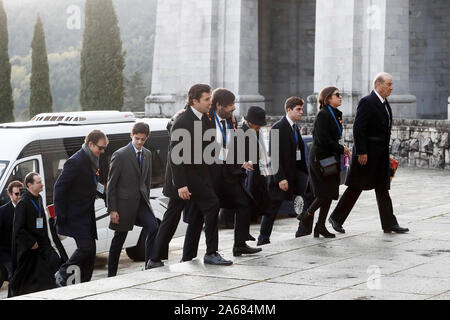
227 177
191 179
74 199
128 194
6 228
370 161
286 181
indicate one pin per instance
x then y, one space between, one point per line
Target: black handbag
328 166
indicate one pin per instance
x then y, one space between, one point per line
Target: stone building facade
267 50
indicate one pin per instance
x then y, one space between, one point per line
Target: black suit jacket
289 168
6 227
74 198
188 173
372 133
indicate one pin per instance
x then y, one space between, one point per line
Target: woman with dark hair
324 159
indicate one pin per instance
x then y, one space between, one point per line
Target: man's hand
248 166
114 216
284 185
35 246
184 193
362 159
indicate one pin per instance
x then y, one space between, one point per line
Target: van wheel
137 253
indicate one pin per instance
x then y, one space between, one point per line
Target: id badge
39 223
100 188
298 155
223 154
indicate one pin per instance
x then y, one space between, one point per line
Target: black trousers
209 207
268 220
236 197
349 198
83 257
147 219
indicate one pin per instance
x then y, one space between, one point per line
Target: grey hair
380 78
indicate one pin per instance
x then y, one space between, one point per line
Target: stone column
396 58
207 41
356 39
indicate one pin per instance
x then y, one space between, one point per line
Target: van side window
19 172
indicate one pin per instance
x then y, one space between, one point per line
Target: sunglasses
101 148
17 194
338 94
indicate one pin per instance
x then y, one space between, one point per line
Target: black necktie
387 111
225 133
139 159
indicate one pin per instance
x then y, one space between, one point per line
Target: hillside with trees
63 22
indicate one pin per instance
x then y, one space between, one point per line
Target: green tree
40 94
135 93
6 98
102 59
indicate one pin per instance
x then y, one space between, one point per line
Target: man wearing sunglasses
75 191
6 225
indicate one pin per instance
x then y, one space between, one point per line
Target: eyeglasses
101 148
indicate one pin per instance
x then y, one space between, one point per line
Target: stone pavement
363 264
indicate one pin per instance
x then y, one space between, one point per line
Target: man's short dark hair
14 184
292 102
196 92
29 178
95 136
223 97
141 127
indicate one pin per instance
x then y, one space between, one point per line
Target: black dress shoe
301 231
336 226
262 242
182 260
396 229
250 238
245 249
154 264
322 230
216 259
60 282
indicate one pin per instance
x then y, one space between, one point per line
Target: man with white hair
370 168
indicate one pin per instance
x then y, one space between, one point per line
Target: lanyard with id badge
298 153
39 219
223 151
100 187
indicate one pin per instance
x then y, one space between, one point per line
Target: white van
44 143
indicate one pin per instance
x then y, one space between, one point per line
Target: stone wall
430 56
420 143
286 43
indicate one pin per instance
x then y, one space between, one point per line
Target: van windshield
3 166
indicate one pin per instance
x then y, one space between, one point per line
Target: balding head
383 84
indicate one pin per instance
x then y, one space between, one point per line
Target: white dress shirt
197 113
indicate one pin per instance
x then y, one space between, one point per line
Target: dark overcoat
33 270
195 176
74 198
6 227
295 172
128 185
256 184
326 135
371 133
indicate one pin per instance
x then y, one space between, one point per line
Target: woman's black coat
325 144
